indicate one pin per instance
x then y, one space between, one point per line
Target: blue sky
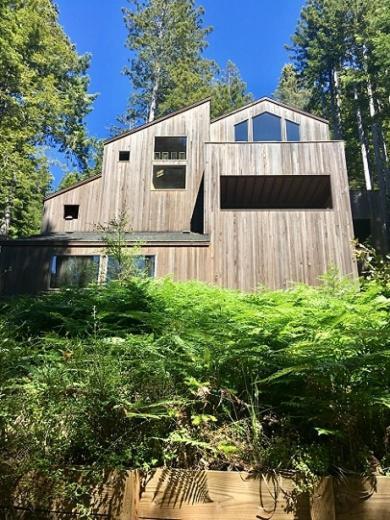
252 33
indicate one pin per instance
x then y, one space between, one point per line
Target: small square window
124 156
71 211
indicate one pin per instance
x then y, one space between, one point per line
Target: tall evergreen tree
43 101
167 38
229 91
339 51
290 89
168 70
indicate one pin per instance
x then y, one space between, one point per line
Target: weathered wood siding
26 269
312 129
87 196
128 185
277 247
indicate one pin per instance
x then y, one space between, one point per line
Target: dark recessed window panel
71 211
124 156
169 177
240 192
170 148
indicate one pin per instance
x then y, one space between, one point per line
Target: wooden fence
212 495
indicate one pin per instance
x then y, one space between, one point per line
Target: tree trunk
153 102
382 171
5 222
363 143
335 103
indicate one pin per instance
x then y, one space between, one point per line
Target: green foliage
43 101
168 70
341 55
290 89
143 373
92 167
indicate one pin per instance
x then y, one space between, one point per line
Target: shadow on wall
25 264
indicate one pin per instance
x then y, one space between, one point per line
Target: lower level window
140 264
169 177
73 271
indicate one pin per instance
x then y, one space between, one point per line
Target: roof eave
271 100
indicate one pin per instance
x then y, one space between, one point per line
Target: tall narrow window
292 131
170 148
169 177
141 265
73 271
267 127
71 211
241 131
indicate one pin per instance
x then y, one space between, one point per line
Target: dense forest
340 69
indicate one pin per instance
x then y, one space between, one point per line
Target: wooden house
257 197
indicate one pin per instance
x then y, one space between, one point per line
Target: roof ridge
272 100
155 121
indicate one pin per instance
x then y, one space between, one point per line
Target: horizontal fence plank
170 494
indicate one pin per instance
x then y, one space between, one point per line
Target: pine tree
168 70
229 91
43 101
340 50
290 89
167 38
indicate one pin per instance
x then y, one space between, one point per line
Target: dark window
141 265
73 271
169 177
267 127
197 219
362 229
241 131
170 148
124 155
71 211
292 131
275 192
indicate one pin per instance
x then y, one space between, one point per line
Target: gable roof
156 121
75 185
276 102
